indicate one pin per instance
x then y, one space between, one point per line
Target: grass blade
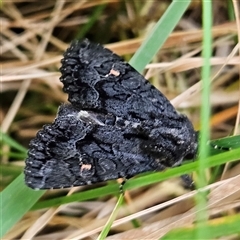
159 34
111 219
218 228
140 181
16 200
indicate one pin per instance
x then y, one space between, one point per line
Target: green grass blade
140 181
226 143
159 34
151 45
218 228
12 143
111 219
94 17
187 168
16 200
11 170
201 197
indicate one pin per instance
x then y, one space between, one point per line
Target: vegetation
193 48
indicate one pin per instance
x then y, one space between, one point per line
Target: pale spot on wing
85 167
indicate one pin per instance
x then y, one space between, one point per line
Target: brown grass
34 35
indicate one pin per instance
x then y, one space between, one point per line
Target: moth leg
124 180
188 182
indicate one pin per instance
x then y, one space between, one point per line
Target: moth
116 125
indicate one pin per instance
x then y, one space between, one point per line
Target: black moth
117 125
